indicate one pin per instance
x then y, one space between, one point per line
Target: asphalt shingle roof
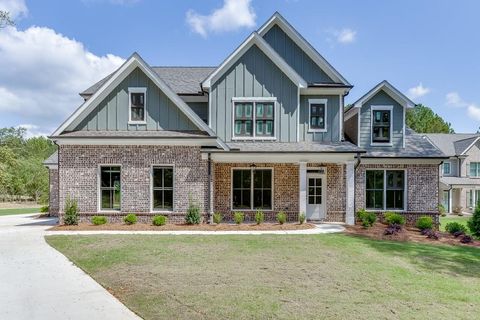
452 144
53 159
182 80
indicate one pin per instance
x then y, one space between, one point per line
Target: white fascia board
246 157
396 95
350 113
323 90
254 38
470 146
280 21
390 161
137 141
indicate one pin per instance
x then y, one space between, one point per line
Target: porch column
303 187
450 200
350 186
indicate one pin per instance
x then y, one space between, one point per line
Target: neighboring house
460 173
265 130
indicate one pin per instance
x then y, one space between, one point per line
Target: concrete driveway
37 282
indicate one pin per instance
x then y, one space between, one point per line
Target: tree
5 19
422 119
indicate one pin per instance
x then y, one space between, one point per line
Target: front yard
280 276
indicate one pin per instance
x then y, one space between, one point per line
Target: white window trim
152 210
449 168
405 194
381 108
251 188
254 100
137 90
319 101
99 185
477 174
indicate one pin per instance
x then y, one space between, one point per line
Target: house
460 173
265 130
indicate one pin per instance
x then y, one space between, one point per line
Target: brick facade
53 204
79 168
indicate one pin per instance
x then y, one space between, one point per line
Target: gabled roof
127 67
453 144
52 160
255 39
182 80
280 21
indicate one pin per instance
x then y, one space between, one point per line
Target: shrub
71 212
392 229
424 232
281 217
238 217
466 239
130 218
457 234
431 234
442 210
366 218
44 209
424 222
193 214
159 220
217 217
98 220
301 218
259 217
454 227
474 222
394 218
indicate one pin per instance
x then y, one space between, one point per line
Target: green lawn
444 220
280 276
6 212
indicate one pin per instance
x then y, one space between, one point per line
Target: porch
459 195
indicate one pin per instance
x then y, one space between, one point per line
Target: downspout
359 160
209 188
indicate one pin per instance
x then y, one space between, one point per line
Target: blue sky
428 49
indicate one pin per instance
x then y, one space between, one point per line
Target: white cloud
474 111
418 91
16 8
453 99
346 36
42 74
234 14
34 130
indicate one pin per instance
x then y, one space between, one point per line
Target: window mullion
384 189
251 189
254 124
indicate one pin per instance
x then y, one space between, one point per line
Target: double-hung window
317 115
252 189
385 189
447 170
162 188
110 187
254 119
474 169
381 124
137 105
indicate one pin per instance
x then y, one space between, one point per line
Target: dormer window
137 105
382 125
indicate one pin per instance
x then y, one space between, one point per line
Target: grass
444 220
6 212
279 276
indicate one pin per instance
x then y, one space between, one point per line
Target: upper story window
137 105
317 115
382 124
447 170
474 169
254 118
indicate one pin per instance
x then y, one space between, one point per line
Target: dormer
377 119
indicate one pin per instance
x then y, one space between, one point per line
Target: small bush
238 217
301 218
193 214
466 239
457 234
442 210
281 217
394 218
99 220
44 209
392 229
159 220
217 217
454 227
71 212
366 218
130 218
474 222
259 217
424 222
424 232
431 234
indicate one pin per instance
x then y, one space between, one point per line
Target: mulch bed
406 234
186 227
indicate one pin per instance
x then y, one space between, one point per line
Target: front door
315 196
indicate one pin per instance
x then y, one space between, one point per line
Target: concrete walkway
37 282
319 229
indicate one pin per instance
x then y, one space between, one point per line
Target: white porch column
350 194
450 200
303 187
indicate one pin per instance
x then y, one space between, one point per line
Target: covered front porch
459 195
319 185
